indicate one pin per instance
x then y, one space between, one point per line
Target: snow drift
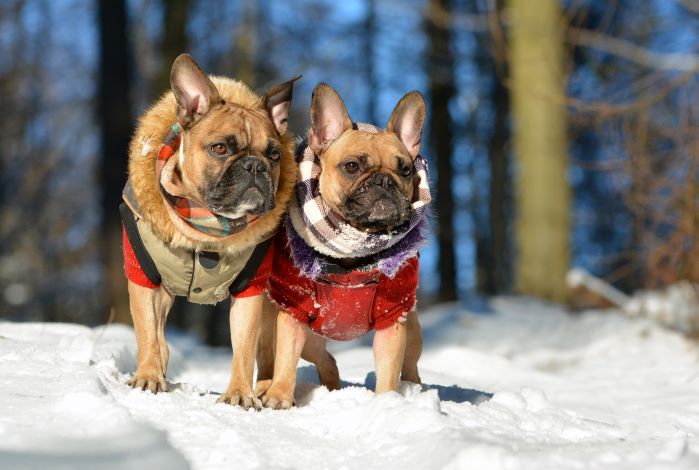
524 387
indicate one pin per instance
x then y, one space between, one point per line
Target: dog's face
230 159
368 179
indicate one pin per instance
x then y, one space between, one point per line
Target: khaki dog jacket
202 277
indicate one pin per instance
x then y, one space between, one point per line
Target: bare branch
680 62
478 23
691 5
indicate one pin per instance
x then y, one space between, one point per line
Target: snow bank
56 413
526 387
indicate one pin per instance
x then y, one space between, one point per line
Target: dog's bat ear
407 119
329 117
277 102
194 91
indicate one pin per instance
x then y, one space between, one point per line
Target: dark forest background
612 85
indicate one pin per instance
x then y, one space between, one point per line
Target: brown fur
199 108
152 128
380 150
397 348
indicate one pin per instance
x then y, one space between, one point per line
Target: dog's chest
201 277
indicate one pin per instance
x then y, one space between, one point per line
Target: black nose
253 165
382 179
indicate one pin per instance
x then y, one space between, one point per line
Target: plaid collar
194 215
325 231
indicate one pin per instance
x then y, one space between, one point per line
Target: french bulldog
211 172
368 181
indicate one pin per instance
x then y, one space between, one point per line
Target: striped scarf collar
325 231
195 219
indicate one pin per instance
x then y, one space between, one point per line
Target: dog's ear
277 102
329 117
194 91
406 121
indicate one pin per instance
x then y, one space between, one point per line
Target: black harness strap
144 259
248 272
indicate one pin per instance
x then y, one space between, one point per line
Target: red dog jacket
341 305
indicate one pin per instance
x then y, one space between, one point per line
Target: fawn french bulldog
347 262
211 172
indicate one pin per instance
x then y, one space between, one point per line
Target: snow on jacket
341 304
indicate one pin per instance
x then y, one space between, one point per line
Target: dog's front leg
245 316
389 351
413 349
265 349
291 336
149 309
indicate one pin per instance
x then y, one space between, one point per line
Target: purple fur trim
389 261
392 259
304 257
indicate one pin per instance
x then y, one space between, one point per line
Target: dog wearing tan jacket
211 172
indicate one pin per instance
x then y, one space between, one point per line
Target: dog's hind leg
413 349
149 309
291 336
265 350
314 351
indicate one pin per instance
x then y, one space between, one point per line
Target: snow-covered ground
525 387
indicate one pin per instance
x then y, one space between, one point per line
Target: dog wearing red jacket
347 260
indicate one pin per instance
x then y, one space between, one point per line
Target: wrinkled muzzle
245 187
377 205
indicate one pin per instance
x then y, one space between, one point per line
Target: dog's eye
406 171
219 149
351 167
274 155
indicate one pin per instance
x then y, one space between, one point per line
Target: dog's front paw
235 396
262 386
153 382
278 398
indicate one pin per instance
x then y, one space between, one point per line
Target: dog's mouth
376 208
240 193
251 202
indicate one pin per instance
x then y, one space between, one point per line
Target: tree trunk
498 197
493 245
174 41
540 144
369 38
246 46
442 90
115 125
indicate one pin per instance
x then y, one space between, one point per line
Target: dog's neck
313 263
355 263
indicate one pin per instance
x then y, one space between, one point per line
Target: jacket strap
248 272
139 249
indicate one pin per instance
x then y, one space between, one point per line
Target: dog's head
230 154
366 178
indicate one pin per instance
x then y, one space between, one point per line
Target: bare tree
493 252
442 90
114 115
540 143
173 42
369 36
